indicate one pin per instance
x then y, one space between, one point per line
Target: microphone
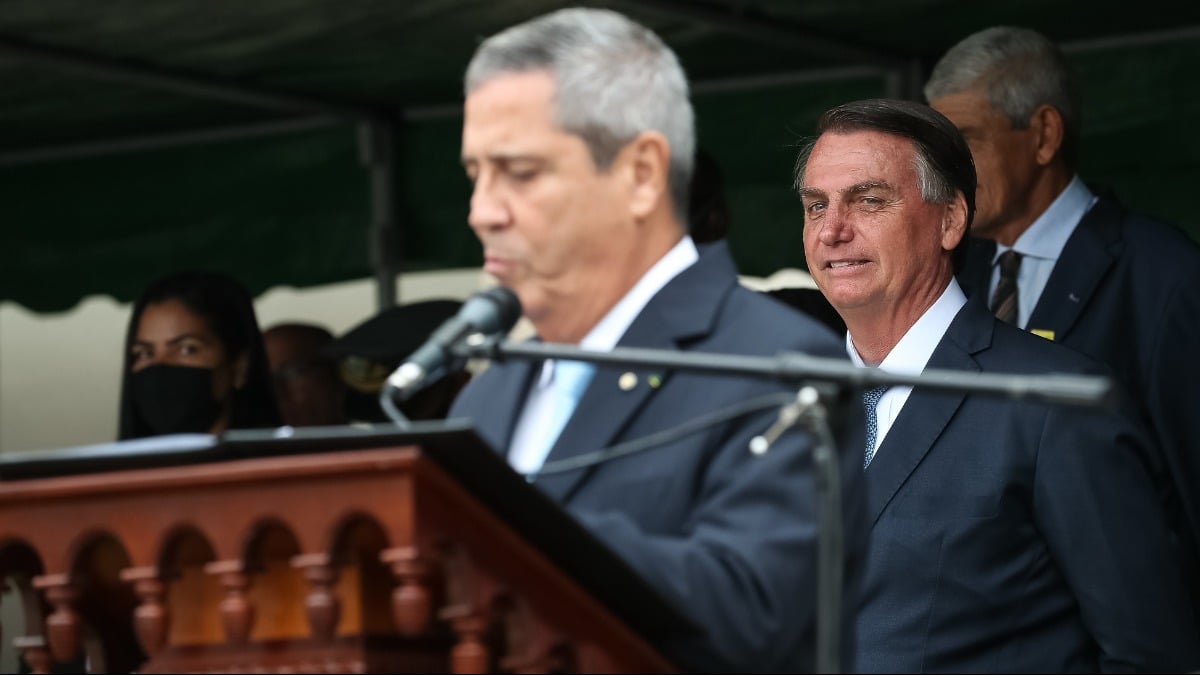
490 312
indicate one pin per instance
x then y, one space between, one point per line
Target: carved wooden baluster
63 628
322 606
412 599
533 646
470 654
237 614
150 619
33 650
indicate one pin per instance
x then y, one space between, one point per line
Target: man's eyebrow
504 157
857 188
867 186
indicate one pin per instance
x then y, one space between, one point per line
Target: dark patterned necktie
1004 300
870 403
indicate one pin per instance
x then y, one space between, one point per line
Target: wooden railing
357 561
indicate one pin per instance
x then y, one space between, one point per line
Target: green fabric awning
293 208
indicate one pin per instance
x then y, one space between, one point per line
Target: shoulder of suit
773 326
1018 351
1162 247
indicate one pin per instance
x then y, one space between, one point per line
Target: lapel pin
627 381
655 381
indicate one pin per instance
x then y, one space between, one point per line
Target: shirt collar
1047 236
912 352
611 328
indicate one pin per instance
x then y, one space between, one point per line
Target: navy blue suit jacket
1126 292
729 537
1015 536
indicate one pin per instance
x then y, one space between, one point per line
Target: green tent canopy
142 137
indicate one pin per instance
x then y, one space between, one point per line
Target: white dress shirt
529 443
911 354
1041 245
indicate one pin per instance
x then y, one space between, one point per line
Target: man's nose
488 209
834 227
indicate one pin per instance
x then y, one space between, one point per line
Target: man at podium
578 138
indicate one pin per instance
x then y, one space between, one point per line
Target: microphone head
492 311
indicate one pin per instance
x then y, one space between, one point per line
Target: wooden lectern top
374 549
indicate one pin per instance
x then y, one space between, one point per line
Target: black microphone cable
387 401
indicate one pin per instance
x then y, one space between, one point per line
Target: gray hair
613 80
1019 69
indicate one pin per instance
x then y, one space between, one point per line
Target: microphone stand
823 377
793 367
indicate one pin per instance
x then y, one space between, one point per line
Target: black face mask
174 399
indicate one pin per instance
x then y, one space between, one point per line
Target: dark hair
708 212
228 309
943 160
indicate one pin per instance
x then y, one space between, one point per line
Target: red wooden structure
370 560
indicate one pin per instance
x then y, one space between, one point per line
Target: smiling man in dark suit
1119 287
578 138
1005 536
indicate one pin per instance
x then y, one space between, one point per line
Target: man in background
1071 265
307 385
1006 535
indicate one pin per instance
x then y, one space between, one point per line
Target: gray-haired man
578 137
1077 268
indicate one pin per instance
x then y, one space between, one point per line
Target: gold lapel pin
627 381
655 381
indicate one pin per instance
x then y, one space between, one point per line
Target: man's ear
954 222
1048 132
647 159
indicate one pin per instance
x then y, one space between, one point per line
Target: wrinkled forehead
508 106
842 159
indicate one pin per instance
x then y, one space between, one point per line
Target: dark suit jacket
1126 292
727 536
1015 536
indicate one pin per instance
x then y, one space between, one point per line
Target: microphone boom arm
795 367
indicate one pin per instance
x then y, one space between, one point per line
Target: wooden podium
339 551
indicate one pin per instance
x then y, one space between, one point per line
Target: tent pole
377 144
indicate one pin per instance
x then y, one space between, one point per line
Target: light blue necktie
569 381
870 402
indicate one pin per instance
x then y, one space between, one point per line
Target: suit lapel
926 413
1091 250
682 311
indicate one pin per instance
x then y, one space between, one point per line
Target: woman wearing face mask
194 360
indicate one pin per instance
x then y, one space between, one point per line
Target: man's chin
847 300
